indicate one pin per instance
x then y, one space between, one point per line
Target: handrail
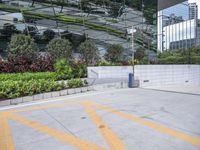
97 76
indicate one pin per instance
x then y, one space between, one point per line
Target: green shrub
63 70
79 70
27 76
114 53
75 83
105 63
173 60
88 52
60 48
22 46
13 89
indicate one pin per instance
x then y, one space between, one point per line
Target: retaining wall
156 75
151 75
109 72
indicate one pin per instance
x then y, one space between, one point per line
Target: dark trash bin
131 80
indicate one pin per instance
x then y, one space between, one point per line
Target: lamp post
131 32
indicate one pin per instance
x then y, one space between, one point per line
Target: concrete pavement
125 119
187 89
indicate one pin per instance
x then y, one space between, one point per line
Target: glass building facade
176 28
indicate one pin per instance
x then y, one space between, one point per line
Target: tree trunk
33 2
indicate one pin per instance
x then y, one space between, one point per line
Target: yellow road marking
64 137
190 139
39 107
112 139
6 141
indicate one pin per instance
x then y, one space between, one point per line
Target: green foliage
63 70
49 34
13 89
79 70
114 53
114 11
88 52
27 76
22 46
59 48
65 19
24 84
75 83
85 5
139 54
134 3
188 56
143 61
105 63
9 29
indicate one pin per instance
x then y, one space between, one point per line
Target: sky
181 10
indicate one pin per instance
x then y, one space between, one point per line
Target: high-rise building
179 26
193 11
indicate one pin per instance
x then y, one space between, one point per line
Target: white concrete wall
109 71
156 75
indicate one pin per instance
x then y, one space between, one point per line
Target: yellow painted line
161 128
64 137
111 138
6 141
41 107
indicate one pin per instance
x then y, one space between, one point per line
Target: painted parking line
161 128
114 142
47 106
62 136
6 141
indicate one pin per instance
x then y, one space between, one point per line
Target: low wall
103 72
156 75
151 75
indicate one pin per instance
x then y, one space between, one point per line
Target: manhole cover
101 126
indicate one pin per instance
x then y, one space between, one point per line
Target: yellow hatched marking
64 137
6 141
41 107
112 139
161 128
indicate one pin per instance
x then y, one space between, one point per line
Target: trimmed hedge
179 60
75 83
13 89
21 64
28 76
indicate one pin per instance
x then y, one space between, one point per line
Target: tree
9 29
59 48
30 30
135 4
88 52
61 3
114 53
33 2
49 34
22 46
139 54
115 9
85 5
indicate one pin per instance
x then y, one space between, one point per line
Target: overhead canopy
162 4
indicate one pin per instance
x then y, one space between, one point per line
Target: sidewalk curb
42 96
97 87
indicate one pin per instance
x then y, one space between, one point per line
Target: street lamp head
131 31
